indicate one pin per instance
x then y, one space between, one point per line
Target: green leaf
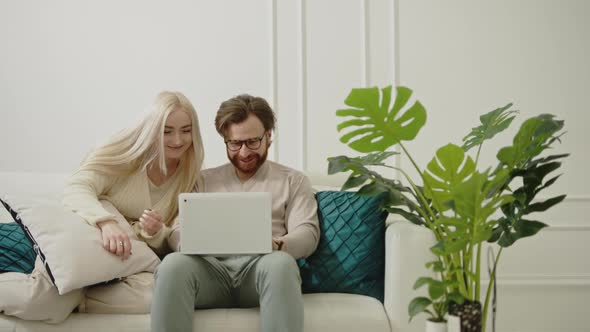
492 123
533 176
438 249
545 205
456 297
372 189
376 127
418 305
469 196
444 173
436 266
458 223
547 159
526 228
436 289
451 243
496 233
522 228
507 239
358 164
338 164
413 218
355 181
423 281
547 184
534 136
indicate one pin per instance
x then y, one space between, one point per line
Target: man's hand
278 244
151 222
114 239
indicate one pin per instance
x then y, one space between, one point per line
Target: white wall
72 73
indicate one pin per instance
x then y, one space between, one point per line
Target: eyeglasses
251 143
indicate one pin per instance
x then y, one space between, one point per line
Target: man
272 281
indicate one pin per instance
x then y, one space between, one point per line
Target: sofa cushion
350 257
16 250
323 312
71 249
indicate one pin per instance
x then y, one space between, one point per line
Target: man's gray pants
185 283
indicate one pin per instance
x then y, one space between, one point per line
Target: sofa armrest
407 249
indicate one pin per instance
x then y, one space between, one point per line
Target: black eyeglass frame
251 143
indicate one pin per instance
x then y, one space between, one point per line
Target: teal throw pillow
350 257
16 250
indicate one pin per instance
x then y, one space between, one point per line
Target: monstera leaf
514 226
492 123
375 126
534 136
471 197
396 193
444 173
358 165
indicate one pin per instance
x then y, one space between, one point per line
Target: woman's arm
81 196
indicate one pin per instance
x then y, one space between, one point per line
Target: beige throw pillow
72 249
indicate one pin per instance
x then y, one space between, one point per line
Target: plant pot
436 326
453 323
469 314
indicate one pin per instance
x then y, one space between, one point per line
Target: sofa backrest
47 185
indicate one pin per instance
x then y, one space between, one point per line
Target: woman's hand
114 239
151 222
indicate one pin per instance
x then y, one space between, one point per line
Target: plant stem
459 268
411 159
477 272
477 154
484 313
421 197
419 194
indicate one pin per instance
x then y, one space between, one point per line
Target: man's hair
237 109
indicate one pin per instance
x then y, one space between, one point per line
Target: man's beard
252 167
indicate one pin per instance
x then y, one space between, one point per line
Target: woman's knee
34 297
132 295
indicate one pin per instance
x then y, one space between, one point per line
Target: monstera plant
461 203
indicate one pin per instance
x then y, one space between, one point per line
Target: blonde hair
135 149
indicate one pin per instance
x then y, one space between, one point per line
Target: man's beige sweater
294 208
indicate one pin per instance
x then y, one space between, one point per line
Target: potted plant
462 204
435 304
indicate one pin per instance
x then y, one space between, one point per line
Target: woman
141 172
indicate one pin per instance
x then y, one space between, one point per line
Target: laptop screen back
229 223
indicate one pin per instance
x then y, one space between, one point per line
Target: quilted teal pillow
16 249
350 257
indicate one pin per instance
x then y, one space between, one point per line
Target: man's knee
180 271
174 265
279 265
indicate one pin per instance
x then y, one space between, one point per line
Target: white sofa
406 254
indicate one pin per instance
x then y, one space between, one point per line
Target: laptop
225 224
